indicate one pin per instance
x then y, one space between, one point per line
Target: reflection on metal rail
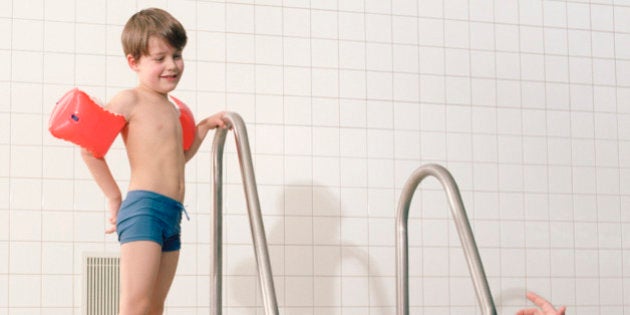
255 217
463 228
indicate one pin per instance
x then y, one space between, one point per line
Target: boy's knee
156 309
135 307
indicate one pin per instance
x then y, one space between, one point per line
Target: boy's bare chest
162 112
158 118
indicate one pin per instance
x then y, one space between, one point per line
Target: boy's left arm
212 122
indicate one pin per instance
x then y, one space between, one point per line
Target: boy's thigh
140 263
166 274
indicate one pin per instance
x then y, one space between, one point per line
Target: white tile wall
524 101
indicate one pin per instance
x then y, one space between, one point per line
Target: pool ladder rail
466 238
255 217
464 230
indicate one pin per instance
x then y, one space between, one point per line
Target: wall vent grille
101 288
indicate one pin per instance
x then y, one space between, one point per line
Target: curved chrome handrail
255 218
463 228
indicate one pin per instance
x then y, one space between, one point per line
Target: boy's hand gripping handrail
255 217
463 228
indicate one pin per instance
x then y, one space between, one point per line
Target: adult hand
544 306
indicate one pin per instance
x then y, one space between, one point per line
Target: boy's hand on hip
113 205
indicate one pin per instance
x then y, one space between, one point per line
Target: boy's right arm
121 104
103 176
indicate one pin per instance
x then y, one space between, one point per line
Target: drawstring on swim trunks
186 213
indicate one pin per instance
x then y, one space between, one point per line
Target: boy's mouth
170 76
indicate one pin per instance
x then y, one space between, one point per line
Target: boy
148 221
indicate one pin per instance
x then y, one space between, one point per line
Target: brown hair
151 22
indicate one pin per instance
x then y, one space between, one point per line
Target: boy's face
161 69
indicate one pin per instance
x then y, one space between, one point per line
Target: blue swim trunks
149 216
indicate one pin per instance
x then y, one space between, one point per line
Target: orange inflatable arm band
187 121
78 119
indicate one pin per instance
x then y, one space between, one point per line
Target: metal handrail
255 217
463 229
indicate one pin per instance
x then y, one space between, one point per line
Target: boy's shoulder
123 102
125 97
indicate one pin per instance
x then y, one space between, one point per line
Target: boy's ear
132 62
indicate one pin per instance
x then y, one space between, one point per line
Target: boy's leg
139 270
168 266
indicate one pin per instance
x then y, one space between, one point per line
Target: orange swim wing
78 119
187 120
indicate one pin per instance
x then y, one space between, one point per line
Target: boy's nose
170 63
